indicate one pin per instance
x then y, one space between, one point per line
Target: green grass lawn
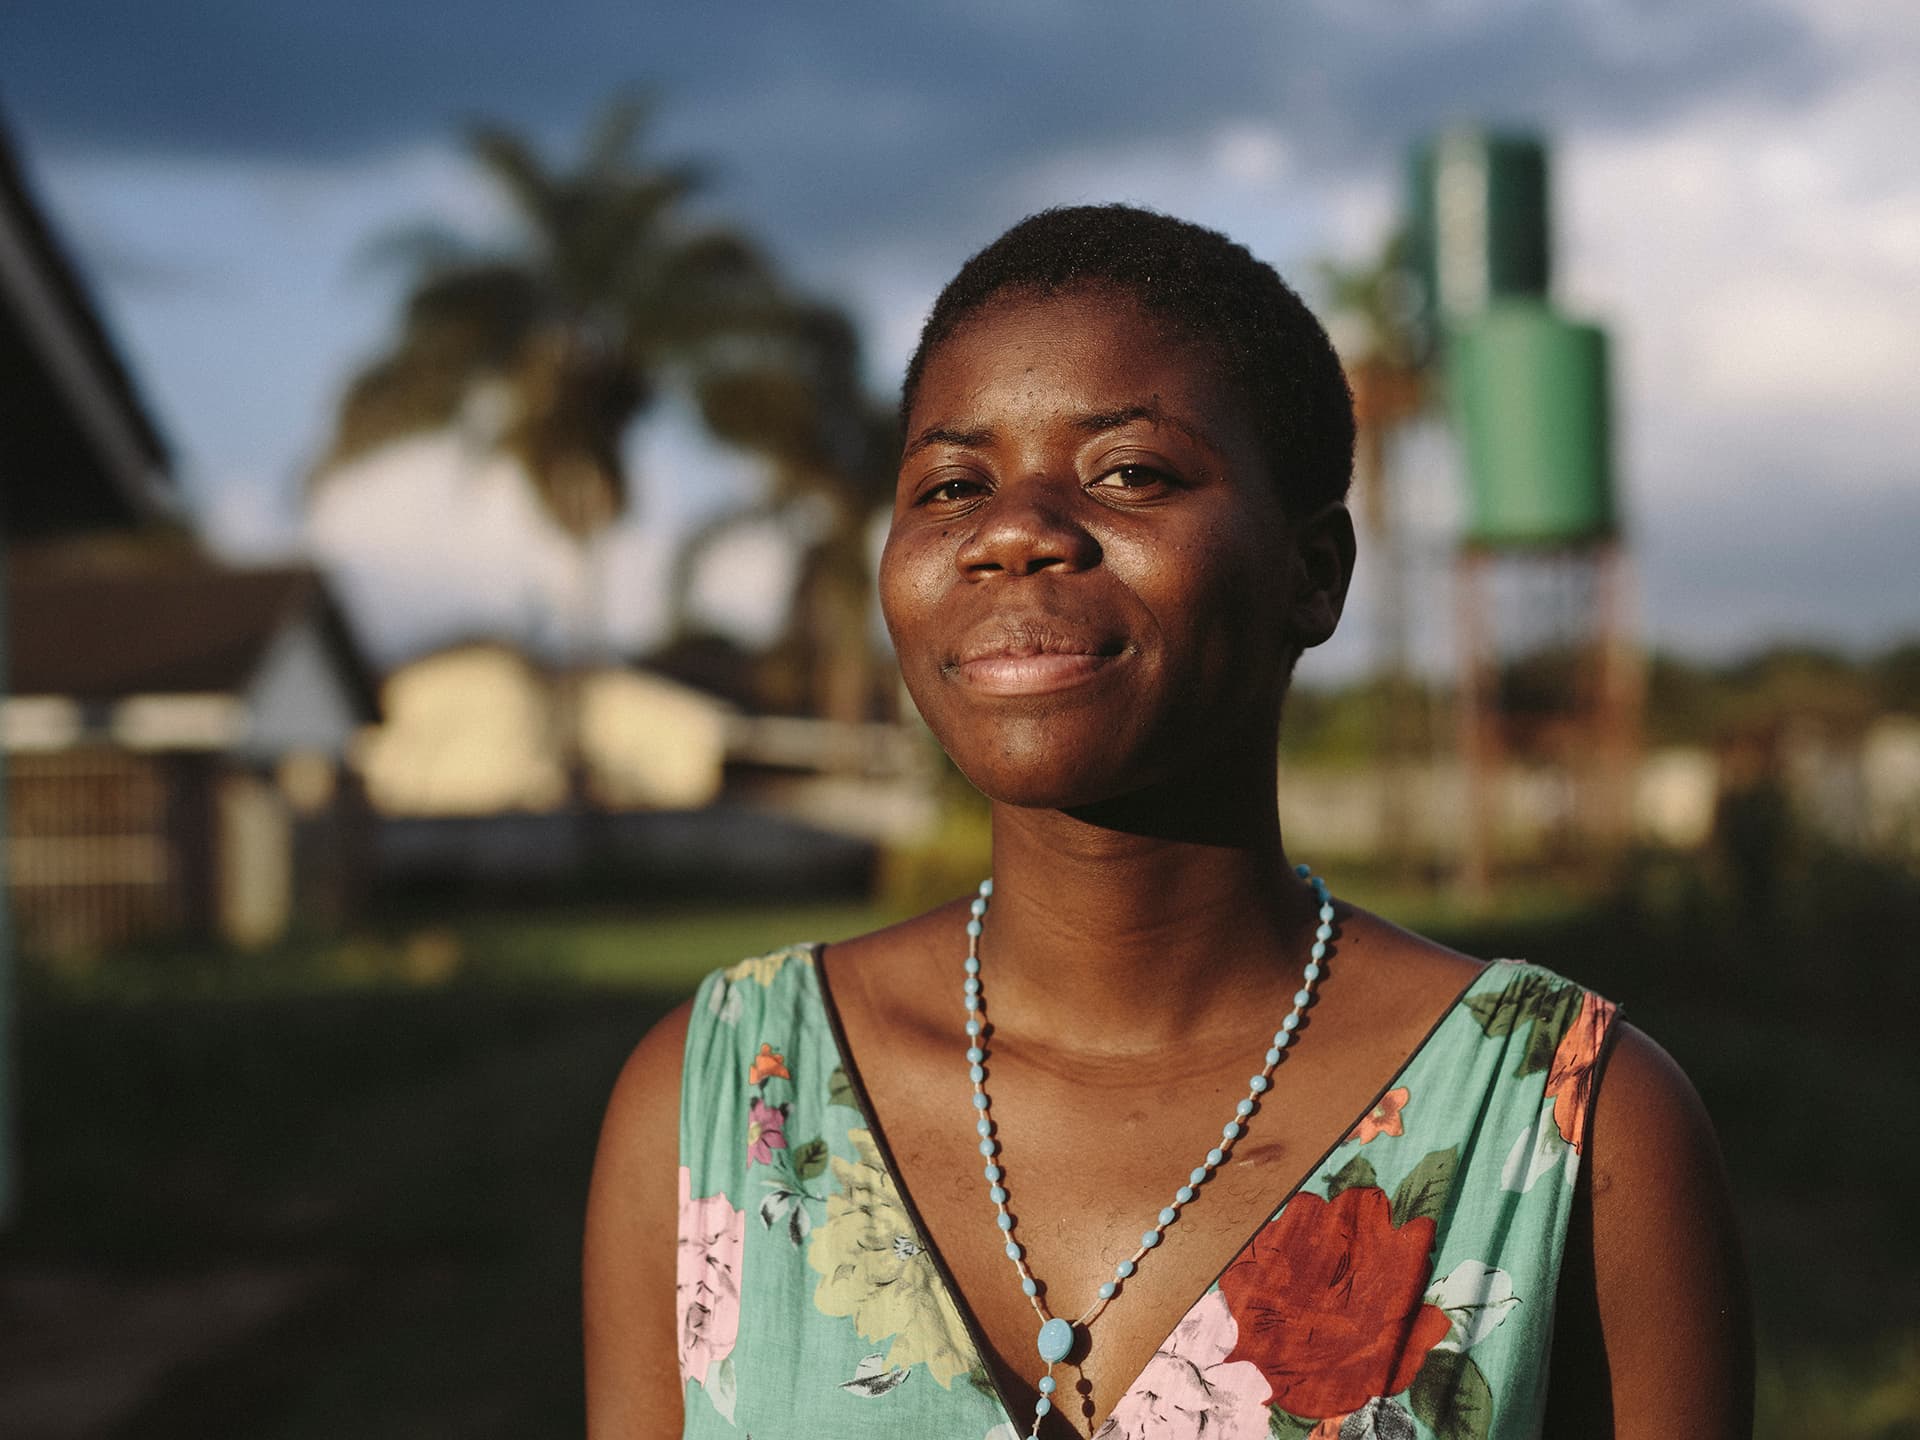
399 1127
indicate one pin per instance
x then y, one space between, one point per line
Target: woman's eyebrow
941 435
1149 411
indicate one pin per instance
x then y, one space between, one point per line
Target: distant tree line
1689 702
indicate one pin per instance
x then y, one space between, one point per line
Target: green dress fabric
1405 1289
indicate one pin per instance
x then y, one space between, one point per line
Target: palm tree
796 398
610 288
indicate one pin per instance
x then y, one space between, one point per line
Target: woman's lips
1030 674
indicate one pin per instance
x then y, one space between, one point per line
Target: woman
1269 1164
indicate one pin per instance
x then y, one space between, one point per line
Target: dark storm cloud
822 117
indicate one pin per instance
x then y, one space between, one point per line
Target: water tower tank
1529 394
1480 232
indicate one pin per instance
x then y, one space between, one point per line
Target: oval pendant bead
1230 1130
1198 1175
1123 1269
1056 1339
1108 1290
1257 1084
1312 972
1215 1156
1243 1109
1168 1215
1303 997
998 1195
974 928
1042 1405
1150 1239
972 966
1029 1287
994 1173
1323 932
1014 1251
1183 1194
1003 1220
1273 1057
1046 1385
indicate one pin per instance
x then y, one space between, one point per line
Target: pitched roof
100 633
78 449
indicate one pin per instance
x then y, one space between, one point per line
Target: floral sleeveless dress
1404 1291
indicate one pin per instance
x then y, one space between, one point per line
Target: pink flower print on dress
706 1282
1190 1390
1384 1118
766 1131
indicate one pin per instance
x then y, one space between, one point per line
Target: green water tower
1530 401
1479 232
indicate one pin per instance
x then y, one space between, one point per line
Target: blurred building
175 735
167 722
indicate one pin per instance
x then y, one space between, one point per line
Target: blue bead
973 1001
1046 1384
976 1073
974 927
979 907
1324 932
993 1173
980 1100
1197 1176
1303 871
1273 1057
1042 1405
1258 1083
1003 1220
983 1125
972 965
1055 1340
975 1054
1216 1155
1183 1194
1123 1269
1030 1287
1312 972
987 1147
986 887
1244 1108
1292 1022
1108 1290
1168 1215
1282 1039
1326 912
973 1027
1303 997
998 1195
972 987
1013 1250
1231 1130
1319 951
1150 1239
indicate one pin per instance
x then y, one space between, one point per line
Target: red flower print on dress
768 1062
766 1131
1384 1118
1570 1078
1329 1301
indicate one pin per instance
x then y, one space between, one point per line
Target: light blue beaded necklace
1057 1336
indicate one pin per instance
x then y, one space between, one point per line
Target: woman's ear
1322 554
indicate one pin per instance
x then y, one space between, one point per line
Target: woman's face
1089 577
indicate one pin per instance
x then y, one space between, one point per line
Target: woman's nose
1026 527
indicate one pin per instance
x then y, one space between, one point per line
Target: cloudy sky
1737 199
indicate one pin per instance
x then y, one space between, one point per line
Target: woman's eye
1132 477
949 491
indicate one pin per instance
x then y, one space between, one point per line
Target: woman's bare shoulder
627 1264
1654 1302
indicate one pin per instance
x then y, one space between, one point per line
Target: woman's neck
1143 922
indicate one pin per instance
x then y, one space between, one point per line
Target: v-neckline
983 1350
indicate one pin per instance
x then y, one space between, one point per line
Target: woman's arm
627 1271
1653 1332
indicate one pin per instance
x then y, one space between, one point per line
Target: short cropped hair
1207 289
